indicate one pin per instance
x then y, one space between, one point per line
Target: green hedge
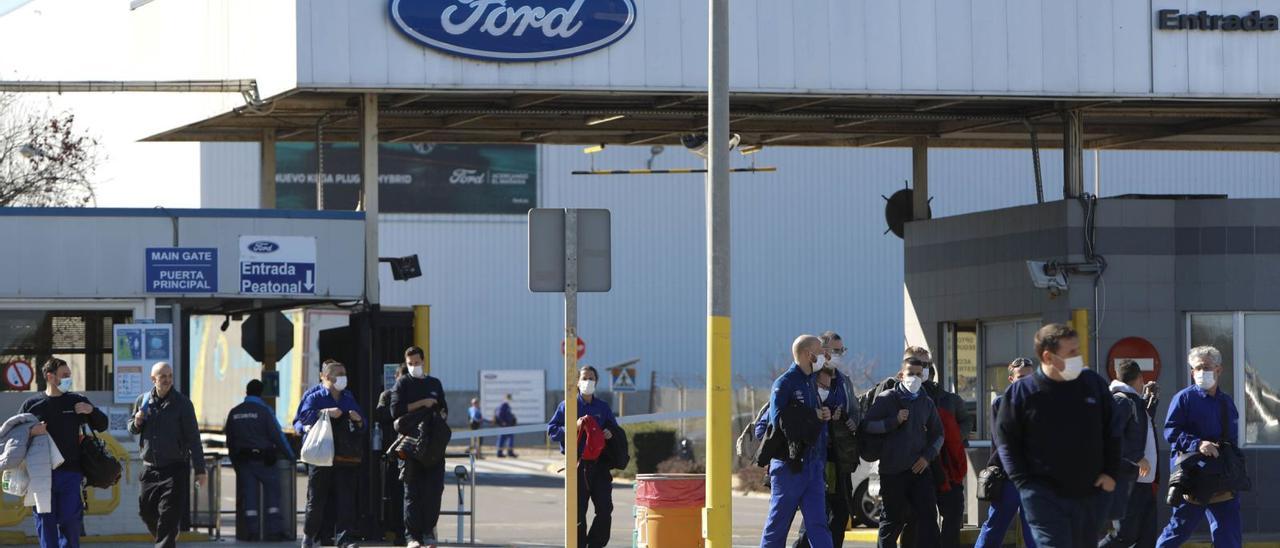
650 443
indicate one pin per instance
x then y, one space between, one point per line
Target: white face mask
417 371
912 384
836 361
1204 379
924 376
587 388
64 384
340 383
1075 366
823 393
821 363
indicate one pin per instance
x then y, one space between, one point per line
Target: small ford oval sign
263 246
515 30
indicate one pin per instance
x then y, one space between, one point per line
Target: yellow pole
1080 323
717 519
571 438
422 333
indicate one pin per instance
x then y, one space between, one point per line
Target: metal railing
466 509
206 503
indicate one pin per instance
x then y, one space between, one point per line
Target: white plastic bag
317 447
16 480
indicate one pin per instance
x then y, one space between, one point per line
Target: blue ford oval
515 30
263 246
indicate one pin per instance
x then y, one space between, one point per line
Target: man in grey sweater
165 423
912 438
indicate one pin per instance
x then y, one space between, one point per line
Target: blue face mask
64 385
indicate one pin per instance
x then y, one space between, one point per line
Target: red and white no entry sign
582 348
18 375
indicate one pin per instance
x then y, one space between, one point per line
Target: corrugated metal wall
808 251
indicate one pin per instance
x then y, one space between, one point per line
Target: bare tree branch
45 160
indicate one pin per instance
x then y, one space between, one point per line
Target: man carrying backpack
952 464
596 419
909 436
836 394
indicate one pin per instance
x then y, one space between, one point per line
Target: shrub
677 465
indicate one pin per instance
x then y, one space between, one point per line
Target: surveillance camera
1041 278
697 143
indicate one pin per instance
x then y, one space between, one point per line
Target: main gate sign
515 30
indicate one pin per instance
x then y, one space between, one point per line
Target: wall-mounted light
750 149
593 149
604 119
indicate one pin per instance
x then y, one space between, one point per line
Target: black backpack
100 469
870 446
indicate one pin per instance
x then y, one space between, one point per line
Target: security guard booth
1139 277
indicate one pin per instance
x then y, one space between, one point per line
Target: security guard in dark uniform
255 443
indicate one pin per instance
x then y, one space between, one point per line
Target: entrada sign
515 30
1255 21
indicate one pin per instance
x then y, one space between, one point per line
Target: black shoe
512 454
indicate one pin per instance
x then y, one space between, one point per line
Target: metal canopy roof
761 119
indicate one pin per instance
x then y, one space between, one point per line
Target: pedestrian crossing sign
622 379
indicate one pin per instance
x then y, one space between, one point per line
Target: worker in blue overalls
1195 425
804 489
594 480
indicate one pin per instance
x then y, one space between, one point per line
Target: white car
866 495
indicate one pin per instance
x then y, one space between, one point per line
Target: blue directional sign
277 265
182 270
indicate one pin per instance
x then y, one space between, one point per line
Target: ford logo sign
515 30
263 246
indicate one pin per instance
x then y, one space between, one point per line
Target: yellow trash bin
669 510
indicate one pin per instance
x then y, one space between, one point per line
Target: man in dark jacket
952 465
1056 441
1133 503
1006 505
1194 425
913 438
254 443
504 417
392 487
423 486
165 423
62 414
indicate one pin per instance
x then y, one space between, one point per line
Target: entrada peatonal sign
515 30
1203 20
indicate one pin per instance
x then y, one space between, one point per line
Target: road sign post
557 239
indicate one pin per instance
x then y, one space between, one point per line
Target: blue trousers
61 527
507 442
806 491
1057 521
249 476
1224 524
1000 515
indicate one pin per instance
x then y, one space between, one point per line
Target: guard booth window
999 343
81 338
1249 343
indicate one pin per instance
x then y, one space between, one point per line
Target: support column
1072 154
267 171
369 182
717 519
919 178
422 333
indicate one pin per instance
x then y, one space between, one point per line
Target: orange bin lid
671 490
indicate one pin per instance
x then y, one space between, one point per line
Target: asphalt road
520 503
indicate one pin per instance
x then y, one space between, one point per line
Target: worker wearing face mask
423 487
330 484
595 484
1194 426
913 436
798 483
952 465
1056 441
